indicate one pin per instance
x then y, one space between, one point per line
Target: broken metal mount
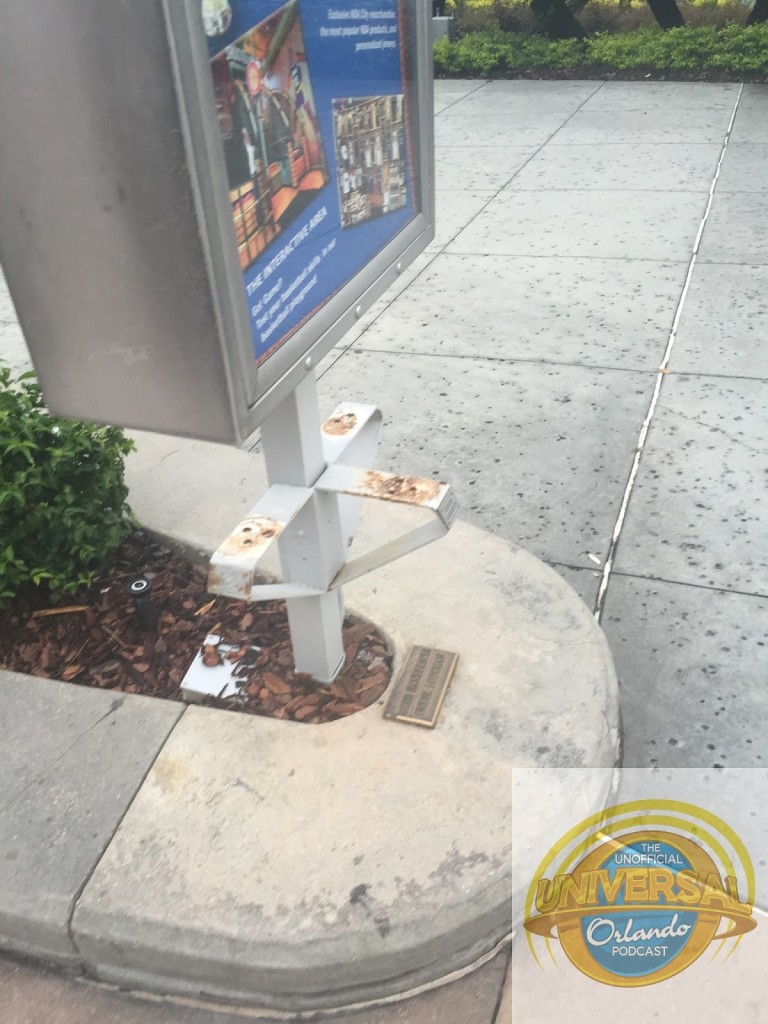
319 476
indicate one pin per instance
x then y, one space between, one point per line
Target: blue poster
314 119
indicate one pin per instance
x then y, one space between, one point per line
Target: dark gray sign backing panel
119 229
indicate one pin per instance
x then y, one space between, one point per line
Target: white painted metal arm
418 492
234 562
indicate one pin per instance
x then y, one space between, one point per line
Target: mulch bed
98 641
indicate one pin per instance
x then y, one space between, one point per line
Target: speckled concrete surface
614 224
13 349
455 209
703 468
418 823
670 168
722 329
661 96
744 168
61 798
738 229
33 996
472 420
660 125
707 665
732 990
700 514
595 312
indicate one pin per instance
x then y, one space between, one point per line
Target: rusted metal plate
420 689
340 424
233 564
252 536
412 490
369 483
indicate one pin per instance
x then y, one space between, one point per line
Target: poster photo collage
276 158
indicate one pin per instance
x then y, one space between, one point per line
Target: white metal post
312 547
318 475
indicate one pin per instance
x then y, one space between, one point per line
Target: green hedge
492 53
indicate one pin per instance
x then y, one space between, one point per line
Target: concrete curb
234 871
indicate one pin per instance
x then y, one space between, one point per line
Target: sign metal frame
258 390
121 253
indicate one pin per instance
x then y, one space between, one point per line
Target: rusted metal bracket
319 479
234 563
350 435
415 491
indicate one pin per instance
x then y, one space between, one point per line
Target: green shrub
733 50
594 15
62 492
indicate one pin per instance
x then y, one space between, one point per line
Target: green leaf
62 496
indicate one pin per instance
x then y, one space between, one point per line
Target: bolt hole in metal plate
420 689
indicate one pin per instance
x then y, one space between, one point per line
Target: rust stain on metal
211 655
253 532
338 426
230 583
217 581
414 490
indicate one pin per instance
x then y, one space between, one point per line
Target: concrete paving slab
750 125
35 997
645 167
457 167
500 97
704 649
737 229
735 797
481 130
586 582
450 91
733 793
288 868
698 513
404 281
589 311
510 437
648 96
618 224
454 210
171 497
7 308
645 127
705 992
504 1014
536 88
73 760
13 348
723 326
754 96
744 168
322 367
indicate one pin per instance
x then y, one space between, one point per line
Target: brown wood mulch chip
93 638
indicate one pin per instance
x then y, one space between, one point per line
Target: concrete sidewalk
520 358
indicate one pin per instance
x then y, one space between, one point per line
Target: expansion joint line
608 567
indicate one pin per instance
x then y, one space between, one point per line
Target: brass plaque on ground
420 689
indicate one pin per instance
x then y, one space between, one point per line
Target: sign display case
209 197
